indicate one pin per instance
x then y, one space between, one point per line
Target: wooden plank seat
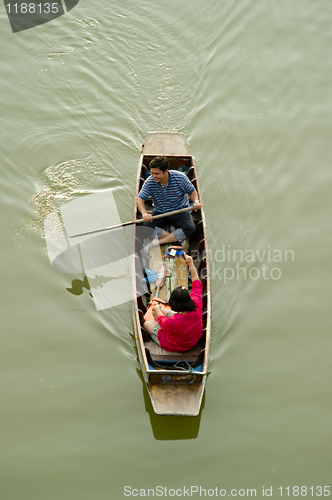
157 351
156 355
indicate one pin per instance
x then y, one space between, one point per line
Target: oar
161 278
160 281
136 221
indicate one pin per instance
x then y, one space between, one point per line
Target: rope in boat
189 368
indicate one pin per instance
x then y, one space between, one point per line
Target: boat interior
177 275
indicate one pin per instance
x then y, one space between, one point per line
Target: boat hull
173 390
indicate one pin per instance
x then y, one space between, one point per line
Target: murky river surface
249 83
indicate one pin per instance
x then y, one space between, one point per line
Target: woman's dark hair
160 162
180 300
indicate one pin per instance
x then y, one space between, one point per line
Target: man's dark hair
160 162
180 300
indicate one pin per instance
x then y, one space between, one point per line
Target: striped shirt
170 197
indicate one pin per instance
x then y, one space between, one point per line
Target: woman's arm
156 311
192 268
164 310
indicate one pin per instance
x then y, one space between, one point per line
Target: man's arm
141 207
194 199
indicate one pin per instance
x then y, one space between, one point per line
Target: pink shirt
181 332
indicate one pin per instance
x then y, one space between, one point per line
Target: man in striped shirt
169 191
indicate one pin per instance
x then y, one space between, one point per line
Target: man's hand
141 207
194 198
197 206
147 217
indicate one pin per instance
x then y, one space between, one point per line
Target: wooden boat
175 381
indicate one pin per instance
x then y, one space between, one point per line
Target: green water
249 85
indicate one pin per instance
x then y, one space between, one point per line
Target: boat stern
182 397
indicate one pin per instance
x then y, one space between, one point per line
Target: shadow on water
78 285
168 428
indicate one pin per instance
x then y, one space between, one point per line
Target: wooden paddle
159 283
161 278
136 221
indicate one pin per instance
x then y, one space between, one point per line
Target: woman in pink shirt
180 328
